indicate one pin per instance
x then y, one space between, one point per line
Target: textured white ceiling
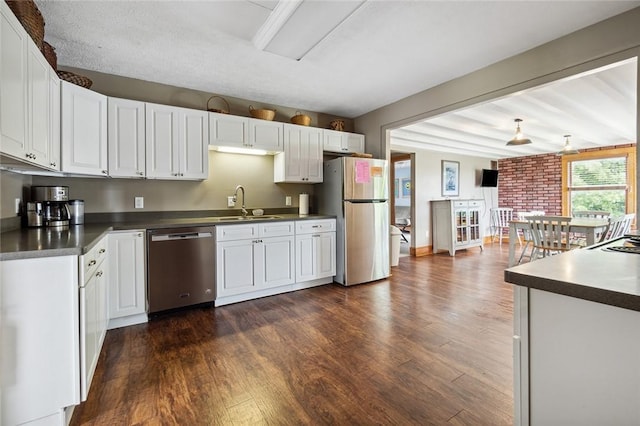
386 51
597 108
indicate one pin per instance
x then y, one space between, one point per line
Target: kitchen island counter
28 243
576 339
593 274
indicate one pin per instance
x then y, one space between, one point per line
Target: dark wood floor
430 345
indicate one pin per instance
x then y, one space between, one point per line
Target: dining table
590 227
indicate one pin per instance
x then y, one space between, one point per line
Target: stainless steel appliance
180 266
55 205
35 214
356 191
76 208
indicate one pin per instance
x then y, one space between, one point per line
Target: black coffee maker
55 205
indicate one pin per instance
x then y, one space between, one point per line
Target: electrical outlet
287 200
230 201
139 202
17 206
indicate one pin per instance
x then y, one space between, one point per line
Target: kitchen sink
230 218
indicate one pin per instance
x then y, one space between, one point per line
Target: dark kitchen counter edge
26 243
591 274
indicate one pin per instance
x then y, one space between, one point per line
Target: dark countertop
593 274
27 243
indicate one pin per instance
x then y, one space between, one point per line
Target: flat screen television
489 178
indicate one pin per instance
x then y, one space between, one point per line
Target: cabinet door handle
139 173
316 236
104 172
53 164
102 251
93 262
99 274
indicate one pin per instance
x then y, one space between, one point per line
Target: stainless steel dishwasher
180 267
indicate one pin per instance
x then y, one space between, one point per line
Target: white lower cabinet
127 289
93 311
39 333
315 249
257 260
253 258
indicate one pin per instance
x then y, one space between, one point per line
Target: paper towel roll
303 203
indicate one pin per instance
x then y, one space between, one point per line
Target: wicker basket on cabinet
30 17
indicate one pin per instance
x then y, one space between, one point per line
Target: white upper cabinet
301 160
54 120
13 84
162 141
267 135
345 142
177 142
246 133
84 131
126 138
194 147
38 104
27 130
228 130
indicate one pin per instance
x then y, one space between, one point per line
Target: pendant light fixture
518 139
568 149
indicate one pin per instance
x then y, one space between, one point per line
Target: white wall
11 187
427 186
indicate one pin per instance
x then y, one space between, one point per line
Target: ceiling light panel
307 25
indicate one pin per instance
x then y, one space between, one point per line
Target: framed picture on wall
406 188
396 188
450 178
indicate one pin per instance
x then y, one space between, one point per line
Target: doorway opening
401 201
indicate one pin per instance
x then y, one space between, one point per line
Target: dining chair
620 226
595 214
500 218
550 235
526 235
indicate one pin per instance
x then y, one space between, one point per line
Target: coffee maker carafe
55 205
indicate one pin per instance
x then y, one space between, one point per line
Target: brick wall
534 182
531 183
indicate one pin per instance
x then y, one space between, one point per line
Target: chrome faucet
235 199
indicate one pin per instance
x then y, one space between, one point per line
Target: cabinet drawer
236 232
461 203
89 262
276 229
475 203
311 226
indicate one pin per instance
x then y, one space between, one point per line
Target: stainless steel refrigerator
356 191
